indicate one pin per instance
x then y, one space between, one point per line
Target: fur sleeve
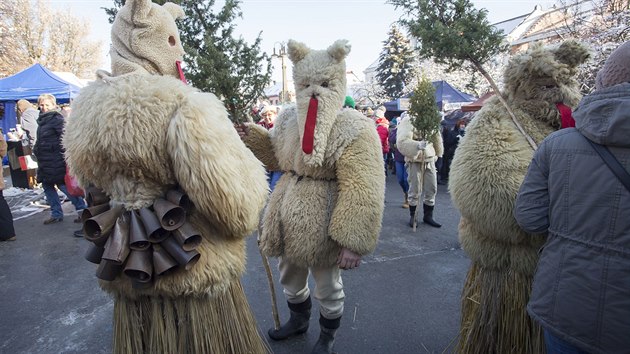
404 140
221 176
356 219
438 144
259 142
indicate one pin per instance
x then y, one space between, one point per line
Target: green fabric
349 102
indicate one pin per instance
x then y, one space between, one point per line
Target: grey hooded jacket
581 290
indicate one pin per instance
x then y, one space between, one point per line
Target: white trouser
427 179
328 287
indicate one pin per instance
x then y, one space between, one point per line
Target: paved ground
403 299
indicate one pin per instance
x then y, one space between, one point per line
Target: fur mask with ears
544 75
145 38
321 75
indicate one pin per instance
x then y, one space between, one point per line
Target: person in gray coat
581 290
28 117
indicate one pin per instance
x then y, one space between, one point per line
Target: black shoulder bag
612 163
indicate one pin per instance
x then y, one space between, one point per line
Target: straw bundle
494 317
188 324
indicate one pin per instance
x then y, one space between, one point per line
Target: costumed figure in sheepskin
420 153
170 240
325 212
487 170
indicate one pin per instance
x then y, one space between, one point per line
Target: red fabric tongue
181 72
309 126
566 119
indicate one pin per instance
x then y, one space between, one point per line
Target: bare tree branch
34 32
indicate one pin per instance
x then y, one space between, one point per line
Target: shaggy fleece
135 136
259 142
315 210
334 196
491 160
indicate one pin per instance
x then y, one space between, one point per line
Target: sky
317 23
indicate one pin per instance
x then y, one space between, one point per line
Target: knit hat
349 102
616 70
380 112
145 37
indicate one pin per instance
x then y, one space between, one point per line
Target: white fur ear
297 50
339 50
174 9
139 10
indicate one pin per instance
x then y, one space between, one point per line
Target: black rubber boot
326 339
297 323
428 216
412 213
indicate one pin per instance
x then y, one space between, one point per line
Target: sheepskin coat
415 148
136 135
315 210
486 173
492 158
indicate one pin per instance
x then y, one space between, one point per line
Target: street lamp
282 53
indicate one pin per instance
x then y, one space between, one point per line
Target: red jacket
382 128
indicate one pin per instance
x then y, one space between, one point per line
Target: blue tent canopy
28 84
444 93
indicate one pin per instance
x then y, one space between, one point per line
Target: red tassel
309 126
181 72
566 119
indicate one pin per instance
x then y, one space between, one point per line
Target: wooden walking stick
274 304
265 261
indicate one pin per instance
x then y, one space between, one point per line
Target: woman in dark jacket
7 232
50 159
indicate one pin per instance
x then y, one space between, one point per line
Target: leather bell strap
566 119
309 126
181 72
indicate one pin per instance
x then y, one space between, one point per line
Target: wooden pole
274 303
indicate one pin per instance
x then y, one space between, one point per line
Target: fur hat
380 112
349 102
145 37
616 70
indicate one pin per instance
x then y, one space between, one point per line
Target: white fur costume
139 131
